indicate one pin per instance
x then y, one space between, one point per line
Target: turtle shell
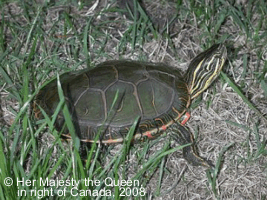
111 96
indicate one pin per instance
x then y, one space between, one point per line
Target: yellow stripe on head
205 68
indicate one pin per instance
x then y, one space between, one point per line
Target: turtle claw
194 159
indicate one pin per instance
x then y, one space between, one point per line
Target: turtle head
205 68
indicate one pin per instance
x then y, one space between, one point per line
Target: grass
39 41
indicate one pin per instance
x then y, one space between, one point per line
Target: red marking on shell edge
148 134
112 141
164 127
186 118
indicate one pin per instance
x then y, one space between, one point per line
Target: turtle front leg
183 136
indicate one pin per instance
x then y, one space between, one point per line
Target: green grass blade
264 87
239 92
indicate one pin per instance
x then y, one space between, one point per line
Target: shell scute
157 94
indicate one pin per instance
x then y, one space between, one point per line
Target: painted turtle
158 94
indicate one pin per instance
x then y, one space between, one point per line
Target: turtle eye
208 67
211 63
212 66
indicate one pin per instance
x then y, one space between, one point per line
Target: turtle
156 94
